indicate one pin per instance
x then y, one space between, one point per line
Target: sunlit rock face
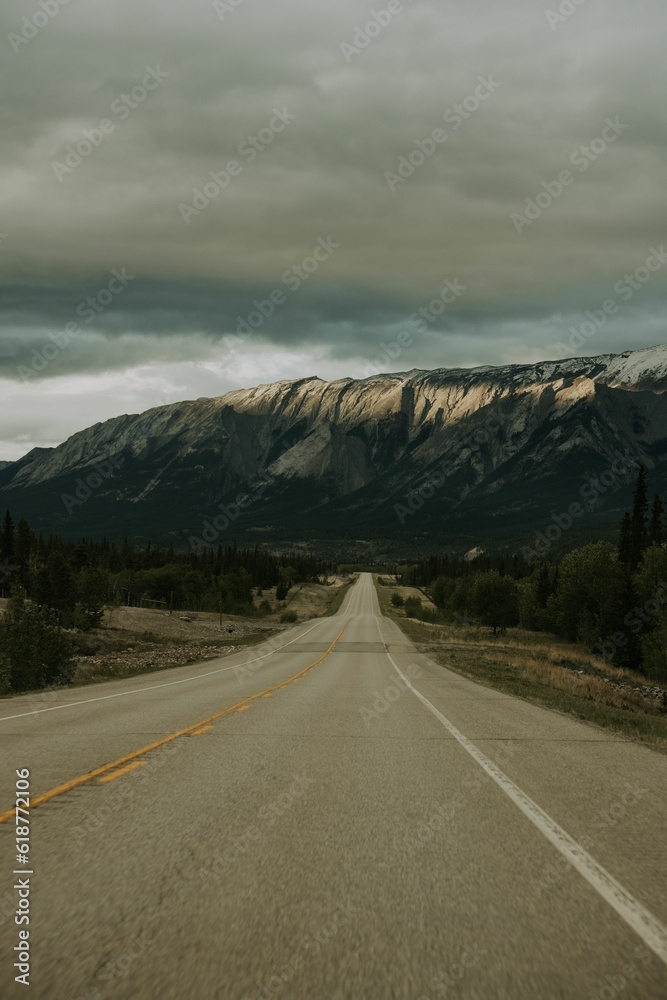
472 450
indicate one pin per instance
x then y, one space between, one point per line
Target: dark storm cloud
327 125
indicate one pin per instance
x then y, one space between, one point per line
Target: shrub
413 607
34 651
397 600
288 616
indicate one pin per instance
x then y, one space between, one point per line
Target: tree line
56 585
612 598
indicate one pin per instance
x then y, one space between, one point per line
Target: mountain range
423 458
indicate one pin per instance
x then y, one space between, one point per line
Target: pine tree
7 537
655 529
543 591
628 653
58 589
625 540
639 518
34 651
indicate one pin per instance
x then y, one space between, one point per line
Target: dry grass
307 600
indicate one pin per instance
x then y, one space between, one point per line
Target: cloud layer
209 150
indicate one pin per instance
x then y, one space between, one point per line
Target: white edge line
652 932
155 687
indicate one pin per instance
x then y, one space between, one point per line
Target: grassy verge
544 670
146 653
337 599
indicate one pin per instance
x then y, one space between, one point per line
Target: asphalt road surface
325 817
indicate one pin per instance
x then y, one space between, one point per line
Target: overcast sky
312 115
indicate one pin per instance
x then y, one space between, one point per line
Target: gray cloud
323 175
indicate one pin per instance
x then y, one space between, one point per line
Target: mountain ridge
343 456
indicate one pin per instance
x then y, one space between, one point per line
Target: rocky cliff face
422 451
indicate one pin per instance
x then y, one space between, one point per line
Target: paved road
340 818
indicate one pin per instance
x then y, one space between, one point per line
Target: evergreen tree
92 587
544 588
655 529
7 538
34 651
58 589
639 518
625 541
628 653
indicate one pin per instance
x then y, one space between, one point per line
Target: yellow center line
122 771
188 731
200 732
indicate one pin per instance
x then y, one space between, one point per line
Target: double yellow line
239 706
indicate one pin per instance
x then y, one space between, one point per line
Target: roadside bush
413 607
288 616
34 651
397 600
264 608
654 650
